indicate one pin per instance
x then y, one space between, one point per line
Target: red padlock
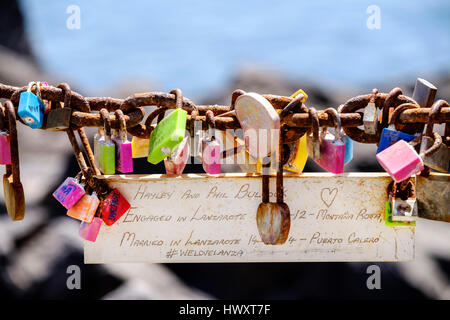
114 206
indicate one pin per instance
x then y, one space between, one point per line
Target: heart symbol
328 195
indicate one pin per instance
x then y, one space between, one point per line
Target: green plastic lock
388 218
167 135
107 157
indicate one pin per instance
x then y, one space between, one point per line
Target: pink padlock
211 148
332 147
69 192
400 161
5 148
89 231
85 208
124 153
176 162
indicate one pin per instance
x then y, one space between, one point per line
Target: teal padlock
106 147
31 109
168 133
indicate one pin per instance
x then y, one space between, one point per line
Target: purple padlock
124 153
69 192
5 148
89 231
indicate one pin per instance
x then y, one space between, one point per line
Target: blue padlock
31 109
348 149
390 135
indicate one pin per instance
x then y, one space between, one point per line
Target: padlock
348 142
5 147
89 231
370 117
439 158
424 93
114 206
404 208
58 117
433 196
176 162
99 136
390 135
31 108
389 206
211 148
85 208
12 187
69 192
139 147
107 149
168 133
332 148
297 156
313 139
400 161
124 154
273 219
260 122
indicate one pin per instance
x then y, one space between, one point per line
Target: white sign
201 218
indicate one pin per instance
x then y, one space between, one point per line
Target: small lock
124 153
298 156
99 136
260 123
139 147
69 192
107 149
58 117
348 142
313 139
176 162
89 231
211 148
85 208
31 109
401 210
114 206
400 161
390 135
332 148
434 152
370 117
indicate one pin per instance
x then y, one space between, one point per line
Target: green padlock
168 133
107 148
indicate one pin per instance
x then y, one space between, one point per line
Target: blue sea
199 46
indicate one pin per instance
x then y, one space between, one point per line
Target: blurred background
208 49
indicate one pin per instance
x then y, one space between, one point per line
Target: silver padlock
313 139
404 209
370 117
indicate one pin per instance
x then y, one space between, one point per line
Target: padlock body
348 149
31 110
69 192
5 148
167 135
211 156
404 210
438 160
390 136
14 198
391 223
85 208
313 147
114 206
107 157
89 231
400 161
273 222
370 118
176 162
124 156
139 147
58 119
332 154
298 156
97 138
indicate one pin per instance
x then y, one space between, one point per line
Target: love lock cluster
263 134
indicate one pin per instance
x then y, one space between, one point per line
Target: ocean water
199 46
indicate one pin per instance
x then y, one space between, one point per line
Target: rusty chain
296 122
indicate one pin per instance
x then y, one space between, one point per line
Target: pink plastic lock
69 192
124 153
5 148
400 161
211 156
89 231
332 154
